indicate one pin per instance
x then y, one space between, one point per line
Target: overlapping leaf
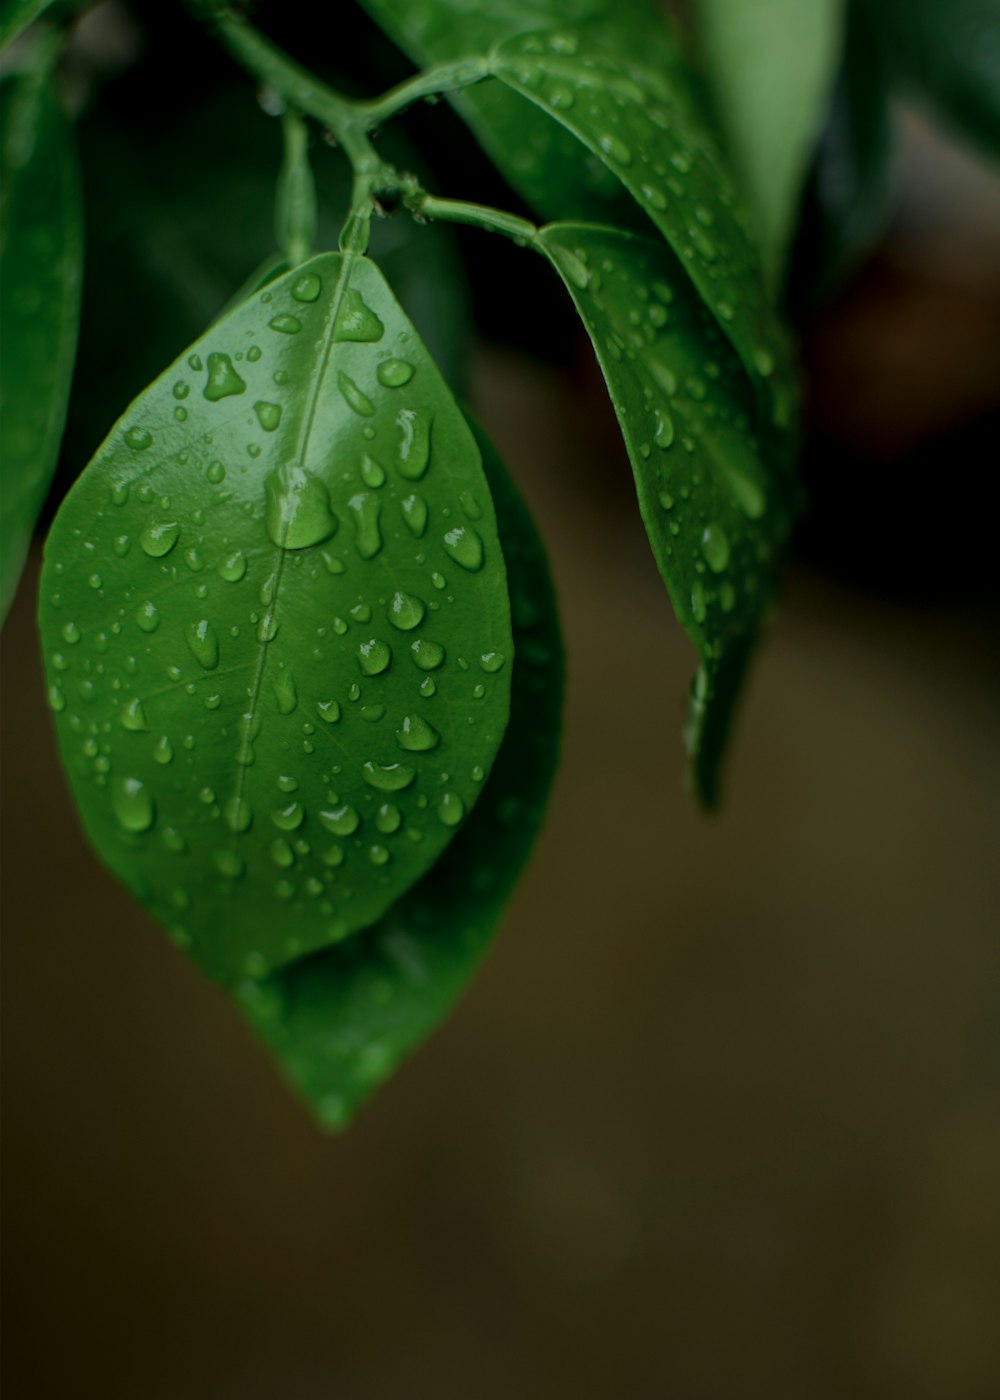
716 494
341 1021
771 67
276 626
40 267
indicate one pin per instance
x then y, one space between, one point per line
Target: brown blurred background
720 1117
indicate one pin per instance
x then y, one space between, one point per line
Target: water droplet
230 864
341 821
132 804
121 546
216 473
414 449
414 509
57 700
307 287
223 381
427 687
356 321
354 397
159 538
267 628
133 716
238 815
698 601
147 616
298 512
138 439
268 414
254 354
282 853
561 97
465 546
388 777
727 597
450 808
289 817
71 633
388 818
666 500
574 269
654 196
492 661
233 567
406 611
373 657
416 735
365 508
763 361
378 855
120 493
427 655
612 146
163 753
287 325
372 474
394 373
328 711
285 692
204 644
715 548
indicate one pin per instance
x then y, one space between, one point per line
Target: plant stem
458 211
444 77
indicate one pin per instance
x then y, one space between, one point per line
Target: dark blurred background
720 1116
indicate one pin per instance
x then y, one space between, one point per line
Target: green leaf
626 116
540 159
716 492
771 66
276 625
849 195
41 255
947 51
16 15
160 235
341 1021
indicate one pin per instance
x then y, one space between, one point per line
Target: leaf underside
342 1020
276 626
41 255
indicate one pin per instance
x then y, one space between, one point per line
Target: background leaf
341 1021
16 15
771 65
276 625
41 254
716 494
948 52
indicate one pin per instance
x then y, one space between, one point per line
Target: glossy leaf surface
40 270
16 15
771 66
341 1021
276 625
716 493
625 115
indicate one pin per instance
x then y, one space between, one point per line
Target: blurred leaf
16 15
848 198
717 494
341 1021
276 626
41 254
771 66
947 51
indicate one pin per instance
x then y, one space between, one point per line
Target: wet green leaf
276 625
341 1021
626 116
771 67
40 267
716 491
16 15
